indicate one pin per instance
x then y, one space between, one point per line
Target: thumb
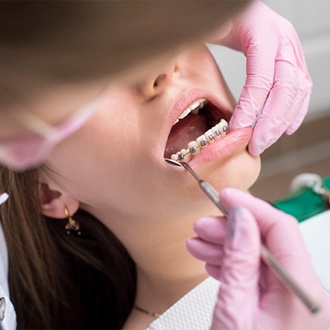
239 273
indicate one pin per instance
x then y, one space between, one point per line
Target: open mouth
199 125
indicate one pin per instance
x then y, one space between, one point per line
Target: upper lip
185 99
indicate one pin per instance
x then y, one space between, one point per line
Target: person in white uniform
33 91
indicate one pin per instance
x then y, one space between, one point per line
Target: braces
179 156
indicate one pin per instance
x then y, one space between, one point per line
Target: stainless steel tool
268 258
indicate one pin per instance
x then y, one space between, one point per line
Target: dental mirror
173 162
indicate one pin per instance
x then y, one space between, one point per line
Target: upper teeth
193 108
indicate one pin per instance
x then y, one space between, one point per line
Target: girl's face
116 161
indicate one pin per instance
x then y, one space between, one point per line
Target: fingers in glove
239 272
260 68
213 270
290 250
208 252
302 109
287 103
267 217
211 229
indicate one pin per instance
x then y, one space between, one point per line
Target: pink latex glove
251 296
278 82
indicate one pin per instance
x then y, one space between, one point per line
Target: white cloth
194 311
316 234
9 321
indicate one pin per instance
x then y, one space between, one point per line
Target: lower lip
223 147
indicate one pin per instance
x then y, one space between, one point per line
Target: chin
240 171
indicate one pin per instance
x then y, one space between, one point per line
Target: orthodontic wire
181 156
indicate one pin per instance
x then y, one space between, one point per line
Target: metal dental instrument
268 258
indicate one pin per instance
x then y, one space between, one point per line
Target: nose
157 82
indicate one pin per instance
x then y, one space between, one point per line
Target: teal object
304 203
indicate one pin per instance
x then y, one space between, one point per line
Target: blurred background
307 150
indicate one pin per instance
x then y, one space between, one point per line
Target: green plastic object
304 203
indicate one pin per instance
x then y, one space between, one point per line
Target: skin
113 167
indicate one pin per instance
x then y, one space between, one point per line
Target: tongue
186 130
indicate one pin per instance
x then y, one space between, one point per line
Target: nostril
159 79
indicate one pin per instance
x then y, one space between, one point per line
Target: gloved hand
278 82
251 296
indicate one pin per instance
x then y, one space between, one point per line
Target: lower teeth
202 141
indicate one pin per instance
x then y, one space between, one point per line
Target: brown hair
47 42
58 280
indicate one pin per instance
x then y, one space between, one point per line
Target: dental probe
266 255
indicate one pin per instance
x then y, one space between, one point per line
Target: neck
165 269
165 274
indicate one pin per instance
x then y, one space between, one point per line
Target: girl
114 169
58 56
40 99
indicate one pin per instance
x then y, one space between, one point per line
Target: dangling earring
72 226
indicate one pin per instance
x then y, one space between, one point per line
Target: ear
53 202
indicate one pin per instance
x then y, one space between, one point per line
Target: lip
223 147
185 99
189 96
